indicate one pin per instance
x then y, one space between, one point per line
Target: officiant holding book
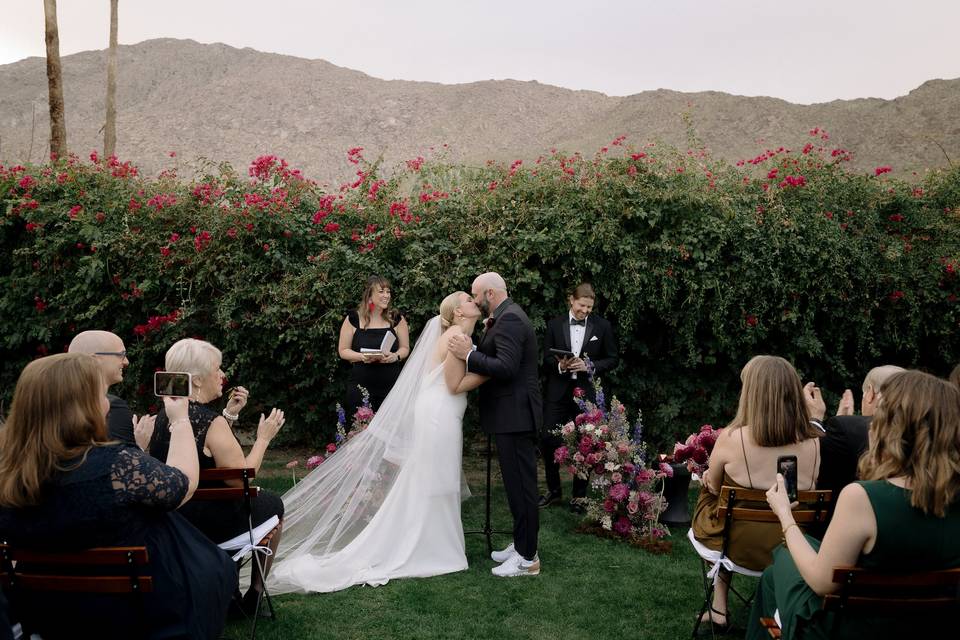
571 338
375 338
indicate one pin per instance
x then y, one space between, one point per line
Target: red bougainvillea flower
882 170
896 217
75 211
354 155
156 322
331 227
39 304
895 295
750 320
201 240
415 164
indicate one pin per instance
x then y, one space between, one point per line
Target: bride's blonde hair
447 308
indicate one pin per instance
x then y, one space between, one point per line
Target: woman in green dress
904 514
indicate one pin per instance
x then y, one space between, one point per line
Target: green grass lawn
588 588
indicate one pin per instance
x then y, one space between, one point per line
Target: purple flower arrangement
600 445
361 420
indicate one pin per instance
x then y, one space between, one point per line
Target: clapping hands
143 430
845 408
238 400
814 401
270 425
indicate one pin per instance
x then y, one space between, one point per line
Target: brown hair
955 376
583 290
56 416
771 403
390 314
916 433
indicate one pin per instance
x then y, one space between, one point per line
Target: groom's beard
485 308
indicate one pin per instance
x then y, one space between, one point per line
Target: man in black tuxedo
584 335
511 410
845 436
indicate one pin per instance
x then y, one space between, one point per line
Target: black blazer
841 446
507 352
599 343
120 421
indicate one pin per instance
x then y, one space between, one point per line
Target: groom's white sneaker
517 565
503 555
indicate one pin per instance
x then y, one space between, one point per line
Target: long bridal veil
331 506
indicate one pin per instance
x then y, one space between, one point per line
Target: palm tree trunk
58 127
110 127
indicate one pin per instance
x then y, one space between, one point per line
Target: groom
510 409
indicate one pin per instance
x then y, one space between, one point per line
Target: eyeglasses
119 354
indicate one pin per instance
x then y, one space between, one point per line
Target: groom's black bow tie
582 323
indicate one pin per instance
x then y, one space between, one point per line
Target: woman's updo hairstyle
448 308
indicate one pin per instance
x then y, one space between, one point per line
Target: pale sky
807 51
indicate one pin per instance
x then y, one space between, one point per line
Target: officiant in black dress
364 328
583 335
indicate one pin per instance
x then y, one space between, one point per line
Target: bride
387 504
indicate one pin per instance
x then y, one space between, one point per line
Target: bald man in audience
845 435
111 355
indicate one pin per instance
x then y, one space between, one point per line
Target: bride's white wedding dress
387 504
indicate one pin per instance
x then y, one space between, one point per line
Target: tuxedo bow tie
582 323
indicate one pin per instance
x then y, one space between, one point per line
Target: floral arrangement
602 446
696 449
361 420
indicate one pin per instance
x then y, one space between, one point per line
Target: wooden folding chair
916 595
27 575
245 493
813 508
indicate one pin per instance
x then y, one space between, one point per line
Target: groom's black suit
511 409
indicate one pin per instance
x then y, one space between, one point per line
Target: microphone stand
487 531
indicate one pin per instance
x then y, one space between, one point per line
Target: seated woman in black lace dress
65 486
217 447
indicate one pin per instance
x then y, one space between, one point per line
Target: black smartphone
563 353
787 467
172 383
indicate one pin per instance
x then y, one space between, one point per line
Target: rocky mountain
224 103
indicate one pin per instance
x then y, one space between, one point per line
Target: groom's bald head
489 290
490 280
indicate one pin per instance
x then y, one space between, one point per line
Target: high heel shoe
716 627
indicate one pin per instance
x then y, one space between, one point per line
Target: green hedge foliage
699 264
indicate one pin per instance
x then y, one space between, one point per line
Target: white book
385 346
241 543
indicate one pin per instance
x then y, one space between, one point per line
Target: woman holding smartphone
772 422
903 515
66 485
217 447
